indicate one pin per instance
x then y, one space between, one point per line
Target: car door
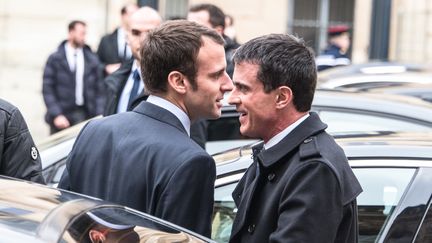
389 192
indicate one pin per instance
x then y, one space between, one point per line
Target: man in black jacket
73 90
120 84
300 187
19 157
113 48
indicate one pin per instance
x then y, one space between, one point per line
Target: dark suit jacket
108 49
59 85
115 84
145 160
303 191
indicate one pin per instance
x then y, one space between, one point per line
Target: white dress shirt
122 44
125 94
75 59
278 137
179 113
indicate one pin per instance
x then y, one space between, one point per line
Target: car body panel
381 157
31 212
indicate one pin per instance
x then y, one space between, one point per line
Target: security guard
335 53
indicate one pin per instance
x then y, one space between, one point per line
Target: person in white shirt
113 48
72 81
126 84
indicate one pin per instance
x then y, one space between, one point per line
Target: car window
117 224
357 122
425 232
224 213
53 173
382 191
224 134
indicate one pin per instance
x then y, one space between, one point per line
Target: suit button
251 228
307 140
271 177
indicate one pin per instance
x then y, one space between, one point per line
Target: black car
347 112
34 213
394 170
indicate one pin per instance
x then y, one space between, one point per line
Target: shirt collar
135 67
278 137
179 113
71 50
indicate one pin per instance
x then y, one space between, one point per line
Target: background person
145 159
72 86
19 157
125 85
335 54
300 187
113 48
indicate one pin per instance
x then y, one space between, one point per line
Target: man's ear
176 80
219 29
284 96
96 236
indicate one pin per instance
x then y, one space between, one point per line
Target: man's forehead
201 17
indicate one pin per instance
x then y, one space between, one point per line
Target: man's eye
136 32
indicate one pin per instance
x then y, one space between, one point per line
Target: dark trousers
75 116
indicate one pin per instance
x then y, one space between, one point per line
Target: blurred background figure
125 85
213 17
72 86
230 31
19 157
335 54
113 48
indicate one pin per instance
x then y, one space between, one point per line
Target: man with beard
72 86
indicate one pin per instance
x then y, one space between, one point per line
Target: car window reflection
116 224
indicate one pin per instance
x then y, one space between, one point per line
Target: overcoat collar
309 127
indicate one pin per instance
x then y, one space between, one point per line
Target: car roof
391 104
394 146
373 68
399 105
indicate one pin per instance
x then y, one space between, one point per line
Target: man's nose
233 99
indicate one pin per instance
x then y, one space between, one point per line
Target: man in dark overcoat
300 187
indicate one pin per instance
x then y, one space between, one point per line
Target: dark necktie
134 91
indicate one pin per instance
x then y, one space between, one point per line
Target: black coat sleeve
20 158
49 88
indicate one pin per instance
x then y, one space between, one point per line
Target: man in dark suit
145 159
113 48
73 90
300 187
125 85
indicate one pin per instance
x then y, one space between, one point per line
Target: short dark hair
73 23
124 9
283 60
217 16
173 46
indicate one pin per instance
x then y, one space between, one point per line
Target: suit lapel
160 114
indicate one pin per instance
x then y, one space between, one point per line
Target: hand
61 122
110 68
